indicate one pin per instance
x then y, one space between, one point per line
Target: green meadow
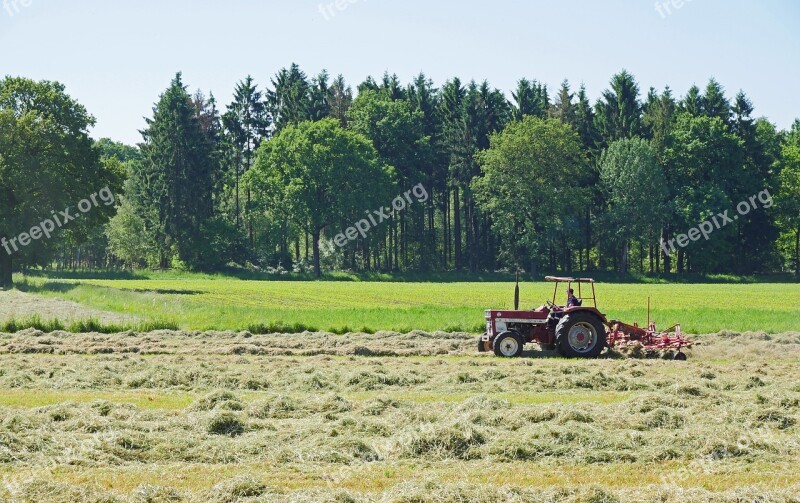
225 303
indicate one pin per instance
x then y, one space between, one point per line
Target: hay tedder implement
575 330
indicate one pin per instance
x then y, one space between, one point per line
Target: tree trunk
667 257
588 240
658 261
249 222
431 233
447 243
5 270
797 252
623 268
315 236
457 227
641 257
238 210
395 226
387 251
474 242
284 245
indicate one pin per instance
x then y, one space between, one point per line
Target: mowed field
340 307
420 417
374 392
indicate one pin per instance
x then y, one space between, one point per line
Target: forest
534 180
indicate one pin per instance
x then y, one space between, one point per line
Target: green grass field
203 303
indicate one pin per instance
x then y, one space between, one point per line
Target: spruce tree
247 123
619 112
173 183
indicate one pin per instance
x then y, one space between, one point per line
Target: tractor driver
572 301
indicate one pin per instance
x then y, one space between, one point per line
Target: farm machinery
575 330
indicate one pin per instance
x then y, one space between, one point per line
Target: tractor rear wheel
508 345
580 335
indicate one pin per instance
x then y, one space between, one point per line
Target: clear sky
117 56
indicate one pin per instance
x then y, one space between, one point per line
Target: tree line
530 181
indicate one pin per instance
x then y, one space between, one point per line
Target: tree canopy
321 175
533 178
48 165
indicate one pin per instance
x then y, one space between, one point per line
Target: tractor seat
579 302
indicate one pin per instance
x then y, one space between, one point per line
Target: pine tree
424 98
487 112
458 148
585 126
584 121
173 183
290 100
758 231
210 123
392 88
340 98
692 103
563 108
659 117
530 98
247 123
320 107
619 112
715 104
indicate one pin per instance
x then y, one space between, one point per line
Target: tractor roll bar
570 281
555 279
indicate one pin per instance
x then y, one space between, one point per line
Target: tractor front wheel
508 345
580 335
482 345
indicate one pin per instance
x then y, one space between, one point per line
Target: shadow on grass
47 286
168 291
414 277
538 354
121 274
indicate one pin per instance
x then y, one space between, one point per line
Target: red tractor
576 331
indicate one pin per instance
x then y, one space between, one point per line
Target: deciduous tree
47 163
321 175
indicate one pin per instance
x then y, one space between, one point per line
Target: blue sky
117 56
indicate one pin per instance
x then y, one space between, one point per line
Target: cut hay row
231 416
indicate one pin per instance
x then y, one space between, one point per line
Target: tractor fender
579 309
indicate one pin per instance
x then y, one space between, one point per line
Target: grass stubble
232 416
